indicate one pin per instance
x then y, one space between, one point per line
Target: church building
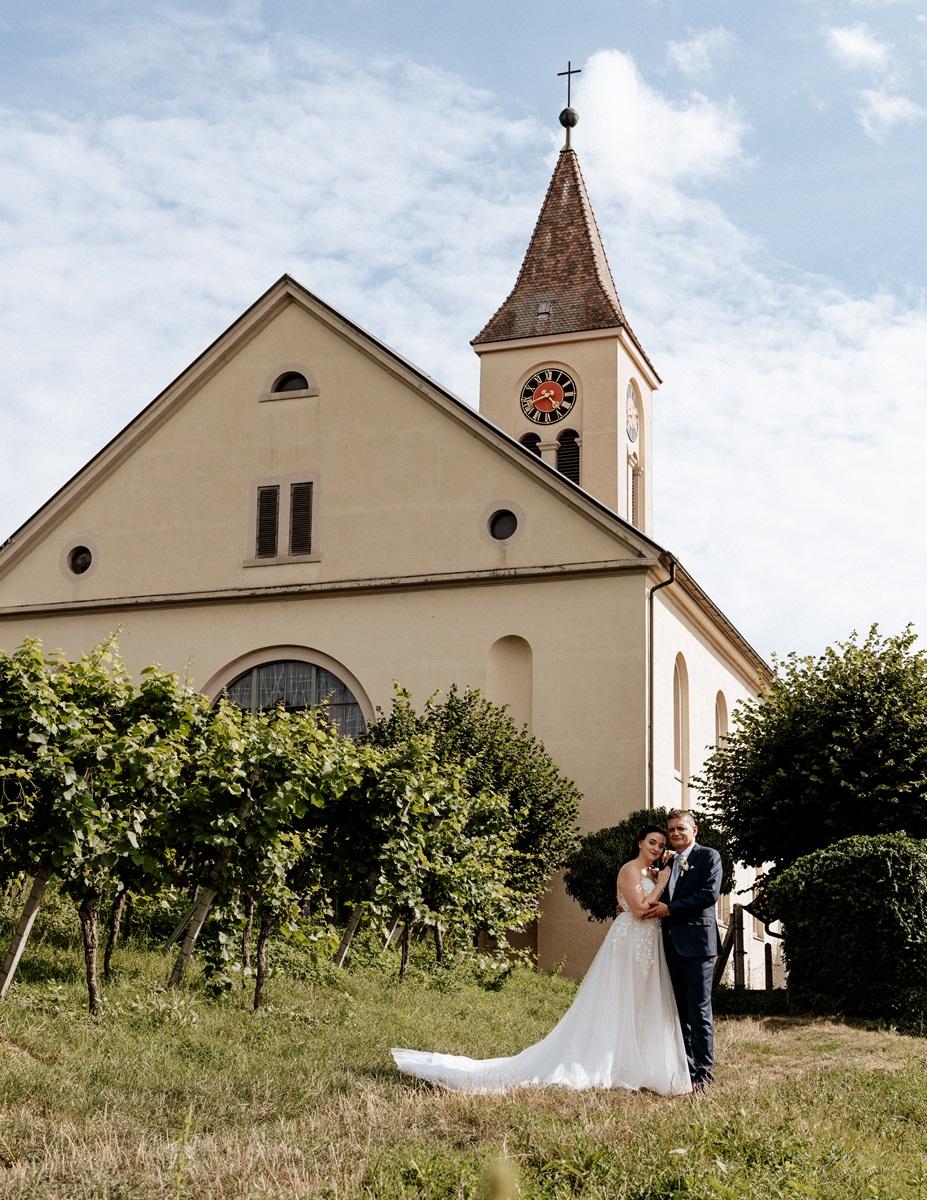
304 515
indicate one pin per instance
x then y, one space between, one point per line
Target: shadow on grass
44 962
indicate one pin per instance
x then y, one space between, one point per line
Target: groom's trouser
692 980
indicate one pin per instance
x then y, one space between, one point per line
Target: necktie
674 877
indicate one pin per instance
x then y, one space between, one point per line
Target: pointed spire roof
565 284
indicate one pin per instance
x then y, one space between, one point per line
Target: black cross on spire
568 72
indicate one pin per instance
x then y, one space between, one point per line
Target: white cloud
697 56
789 430
879 112
879 109
856 47
649 144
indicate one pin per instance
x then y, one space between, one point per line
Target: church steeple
565 283
561 369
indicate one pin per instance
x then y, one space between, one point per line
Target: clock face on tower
548 396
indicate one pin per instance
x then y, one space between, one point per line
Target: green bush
855 923
593 866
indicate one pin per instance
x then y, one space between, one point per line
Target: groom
690 939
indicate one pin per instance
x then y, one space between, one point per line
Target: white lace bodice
644 935
647 884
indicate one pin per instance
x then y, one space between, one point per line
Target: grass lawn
178 1095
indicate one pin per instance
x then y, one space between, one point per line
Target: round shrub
593 866
855 924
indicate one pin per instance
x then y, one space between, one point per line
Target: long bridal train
621 1031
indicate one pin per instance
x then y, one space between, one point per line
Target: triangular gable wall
405 477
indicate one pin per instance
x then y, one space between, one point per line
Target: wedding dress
621 1031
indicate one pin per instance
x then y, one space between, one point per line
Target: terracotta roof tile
565 270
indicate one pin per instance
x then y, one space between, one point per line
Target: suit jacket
691 926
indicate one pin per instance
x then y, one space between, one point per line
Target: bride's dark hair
649 829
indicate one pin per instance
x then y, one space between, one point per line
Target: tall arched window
634 491
635 460
509 676
568 454
720 718
298 685
681 729
532 442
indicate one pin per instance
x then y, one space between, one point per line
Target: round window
502 524
79 560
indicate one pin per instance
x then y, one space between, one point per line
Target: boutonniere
683 865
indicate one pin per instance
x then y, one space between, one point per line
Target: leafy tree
250 822
411 840
835 745
592 868
84 767
855 926
30 718
498 758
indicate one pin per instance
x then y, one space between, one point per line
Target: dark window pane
240 691
298 685
568 455
502 524
268 506
301 518
292 381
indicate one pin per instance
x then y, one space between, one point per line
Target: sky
758 176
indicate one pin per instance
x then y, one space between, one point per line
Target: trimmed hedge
855 929
593 866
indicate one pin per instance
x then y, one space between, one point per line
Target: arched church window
634 491
532 442
568 454
291 381
298 685
720 718
681 729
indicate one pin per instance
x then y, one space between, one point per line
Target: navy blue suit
691 944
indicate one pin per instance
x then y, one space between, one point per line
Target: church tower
561 370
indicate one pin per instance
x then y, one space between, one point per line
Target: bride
622 1029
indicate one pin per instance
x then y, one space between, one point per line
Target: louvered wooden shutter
301 518
568 455
268 507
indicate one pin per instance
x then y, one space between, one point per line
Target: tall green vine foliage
86 771
495 756
450 821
